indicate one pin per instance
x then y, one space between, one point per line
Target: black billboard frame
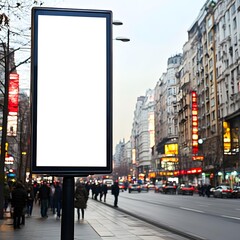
70 170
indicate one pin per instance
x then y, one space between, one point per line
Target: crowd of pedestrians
20 198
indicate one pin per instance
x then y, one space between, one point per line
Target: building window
213 115
234 24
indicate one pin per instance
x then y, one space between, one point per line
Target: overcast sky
158 30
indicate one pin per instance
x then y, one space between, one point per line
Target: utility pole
4 123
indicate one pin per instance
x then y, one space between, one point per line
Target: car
121 186
222 191
134 187
236 192
144 187
170 188
185 189
158 187
151 186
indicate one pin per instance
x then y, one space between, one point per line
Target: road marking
238 209
193 210
225 216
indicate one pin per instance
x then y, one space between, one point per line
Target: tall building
166 126
142 138
226 17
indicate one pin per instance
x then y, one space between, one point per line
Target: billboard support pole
67 224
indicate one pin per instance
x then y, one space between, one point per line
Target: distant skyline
157 30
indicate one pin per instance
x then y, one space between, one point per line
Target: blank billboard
71 91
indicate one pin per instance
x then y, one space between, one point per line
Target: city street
207 218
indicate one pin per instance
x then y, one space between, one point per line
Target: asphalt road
205 218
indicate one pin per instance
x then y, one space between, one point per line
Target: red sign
194 123
13 93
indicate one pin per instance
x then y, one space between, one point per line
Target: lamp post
4 123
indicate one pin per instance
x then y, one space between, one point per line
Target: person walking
81 198
57 199
44 195
115 192
104 190
97 191
19 199
30 200
6 193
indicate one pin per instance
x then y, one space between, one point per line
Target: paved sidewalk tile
102 221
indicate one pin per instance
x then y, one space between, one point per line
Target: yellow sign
197 158
171 148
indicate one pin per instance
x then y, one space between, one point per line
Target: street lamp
122 39
117 22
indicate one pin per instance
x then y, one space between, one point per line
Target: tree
14 38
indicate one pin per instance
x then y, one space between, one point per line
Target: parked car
222 191
144 187
236 192
134 187
185 189
151 186
121 186
169 188
158 187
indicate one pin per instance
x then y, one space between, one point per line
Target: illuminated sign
194 123
13 104
189 171
171 149
226 137
169 159
9 159
198 158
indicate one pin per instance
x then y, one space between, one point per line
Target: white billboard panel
71 91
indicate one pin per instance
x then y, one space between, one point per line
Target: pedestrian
115 192
30 200
19 199
208 188
51 202
104 190
44 195
88 187
80 199
57 199
97 191
35 191
6 193
100 191
93 186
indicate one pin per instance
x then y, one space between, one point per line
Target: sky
157 30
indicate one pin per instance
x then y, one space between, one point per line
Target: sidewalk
101 222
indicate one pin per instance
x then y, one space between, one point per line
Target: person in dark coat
6 193
115 192
19 200
81 198
104 191
30 199
100 191
44 195
57 199
97 191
